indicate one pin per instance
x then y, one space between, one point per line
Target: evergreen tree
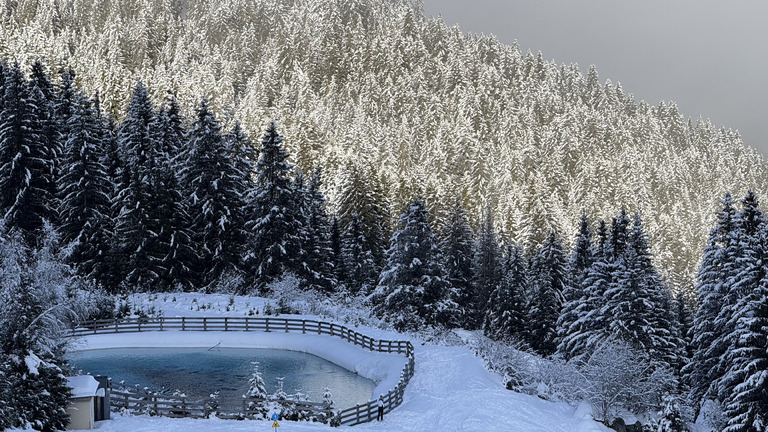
746 406
317 269
456 246
136 224
213 198
413 290
716 267
85 189
505 317
335 242
33 320
178 266
582 257
486 269
51 124
749 252
360 193
25 161
358 263
589 328
276 221
547 280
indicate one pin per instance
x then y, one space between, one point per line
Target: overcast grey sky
708 56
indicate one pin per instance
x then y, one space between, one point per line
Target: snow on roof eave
82 386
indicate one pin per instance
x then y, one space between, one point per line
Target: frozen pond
199 372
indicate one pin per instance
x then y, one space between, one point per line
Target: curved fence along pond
181 407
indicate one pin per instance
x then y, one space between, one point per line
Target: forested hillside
414 107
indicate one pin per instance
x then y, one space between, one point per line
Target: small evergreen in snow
412 290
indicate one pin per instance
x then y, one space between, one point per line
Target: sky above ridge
708 56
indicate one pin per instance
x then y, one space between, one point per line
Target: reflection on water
198 372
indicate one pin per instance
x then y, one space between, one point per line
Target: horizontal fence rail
181 407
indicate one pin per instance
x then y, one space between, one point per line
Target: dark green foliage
486 270
359 266
547 278
84 213
457 245
574 297
360 193
505 318
26 168
275 221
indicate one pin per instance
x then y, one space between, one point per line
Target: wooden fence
161 405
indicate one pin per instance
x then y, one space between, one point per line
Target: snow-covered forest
158 202
383 161
375 87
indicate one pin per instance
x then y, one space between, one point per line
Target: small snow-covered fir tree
505 315
456 246
412 290
486 269
39 306
358 263
574 297
316 270
547 280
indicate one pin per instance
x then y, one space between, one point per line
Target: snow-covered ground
451 389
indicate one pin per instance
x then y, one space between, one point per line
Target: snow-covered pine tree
178 266
360 193
717 267
666 343
746 406
25 160
335 242
486 269
51 130
750 251
275 222
547 277
358 263
84 213
582 257
505 318
137 224
456 246
589 328
412 290
317 270
257 389
212 185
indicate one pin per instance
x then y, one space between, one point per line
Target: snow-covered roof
83 386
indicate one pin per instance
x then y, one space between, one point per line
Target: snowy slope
450 391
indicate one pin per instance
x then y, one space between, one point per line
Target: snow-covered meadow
451 389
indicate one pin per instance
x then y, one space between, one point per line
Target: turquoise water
198 372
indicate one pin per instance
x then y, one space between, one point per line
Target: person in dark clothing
380 404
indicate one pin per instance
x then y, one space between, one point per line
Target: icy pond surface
199 372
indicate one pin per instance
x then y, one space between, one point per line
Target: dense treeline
374 88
